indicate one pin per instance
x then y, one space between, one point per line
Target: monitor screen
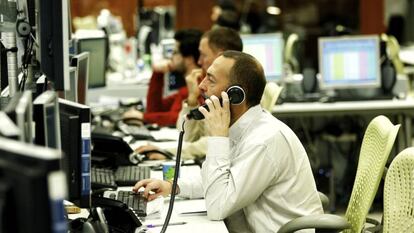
268 50
81 62
97 48
7 128
75 134
46 117
32 189
20 112
349 62
72 94
54 41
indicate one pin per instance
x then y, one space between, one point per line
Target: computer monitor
4 82
268 50
72 94
46 117
53 35
349 62
75 125
97 48
81 61
20 112
7 127
32 189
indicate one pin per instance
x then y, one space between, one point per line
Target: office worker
256 175
164 110
212 44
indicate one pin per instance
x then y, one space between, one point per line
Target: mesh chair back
270 95
375 149
399 194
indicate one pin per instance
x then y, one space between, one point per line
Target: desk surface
194 222
182 211
342 108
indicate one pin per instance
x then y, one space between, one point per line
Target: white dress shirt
256 179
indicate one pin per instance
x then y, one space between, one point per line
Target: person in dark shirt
164 110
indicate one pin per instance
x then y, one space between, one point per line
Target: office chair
393 51
376 146
289 55
270 95
399 194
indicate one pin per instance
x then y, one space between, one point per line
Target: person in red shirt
164 110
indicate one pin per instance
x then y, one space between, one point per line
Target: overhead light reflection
273 10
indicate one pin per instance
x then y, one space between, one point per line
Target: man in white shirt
256 175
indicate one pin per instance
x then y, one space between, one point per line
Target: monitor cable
175 180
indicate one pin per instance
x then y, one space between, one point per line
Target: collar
236 131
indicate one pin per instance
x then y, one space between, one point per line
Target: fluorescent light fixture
273 10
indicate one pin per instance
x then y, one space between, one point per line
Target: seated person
256 175
224 13
212 44
164 110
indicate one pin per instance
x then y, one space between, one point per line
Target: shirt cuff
218 147
185 188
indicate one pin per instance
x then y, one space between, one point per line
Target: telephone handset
236 96
116 214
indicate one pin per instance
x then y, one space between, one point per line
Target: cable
174 184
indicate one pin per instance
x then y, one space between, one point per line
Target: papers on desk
191 207
155 207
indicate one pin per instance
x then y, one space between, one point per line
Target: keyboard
315 98
136 201
102 178
298 98
361 98
129 175
138 132
122 176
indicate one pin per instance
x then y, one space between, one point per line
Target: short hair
229 18
224 38
247 73
226 4
189 40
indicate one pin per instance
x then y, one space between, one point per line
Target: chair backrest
376 146
270 95
289 55
399 194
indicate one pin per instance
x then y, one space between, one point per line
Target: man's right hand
158 187
192 85
162 66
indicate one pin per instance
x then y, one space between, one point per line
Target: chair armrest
324 200
377 225
330 222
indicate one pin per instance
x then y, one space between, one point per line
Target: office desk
194 222
403 109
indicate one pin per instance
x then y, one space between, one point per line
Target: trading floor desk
188 215
192 212
402 109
